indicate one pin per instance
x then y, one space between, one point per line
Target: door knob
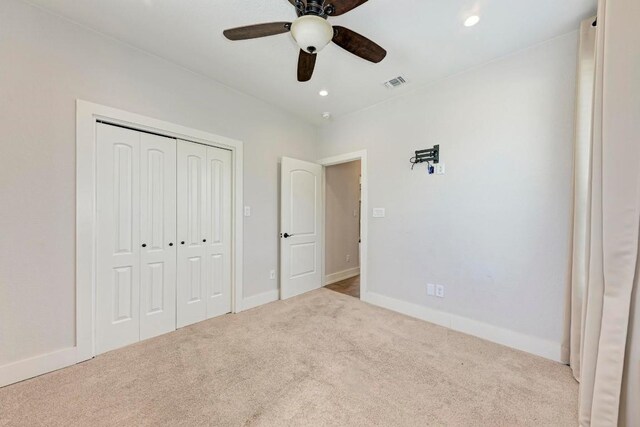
204 240
182 242
287 235
144 245
170 244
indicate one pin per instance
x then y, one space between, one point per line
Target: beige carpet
319 359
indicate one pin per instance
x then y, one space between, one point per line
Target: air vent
394 83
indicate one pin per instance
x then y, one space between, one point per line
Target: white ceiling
425 40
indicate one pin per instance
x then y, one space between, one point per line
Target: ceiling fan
312 33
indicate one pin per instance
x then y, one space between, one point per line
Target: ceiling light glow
471 21
326 115
323 92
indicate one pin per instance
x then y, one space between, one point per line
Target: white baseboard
38 365
341 275
539 347
260 299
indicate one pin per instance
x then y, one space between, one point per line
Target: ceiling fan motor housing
314 7
312 33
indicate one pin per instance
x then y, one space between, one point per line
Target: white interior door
204 232
118 238
158 235
163 237
192 207
218 245
300 227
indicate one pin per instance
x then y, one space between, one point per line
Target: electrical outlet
272 274
431 289
247 211
440 291
440 169
348 257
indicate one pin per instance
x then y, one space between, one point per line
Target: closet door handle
144 245
182 242
204 240
170 244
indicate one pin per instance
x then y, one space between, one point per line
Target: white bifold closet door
136 236
204 232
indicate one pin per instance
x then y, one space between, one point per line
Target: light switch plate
440 169
379 212
247 211
440 291
272 274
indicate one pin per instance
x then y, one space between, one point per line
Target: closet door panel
158 235
218 246
118 238
192 207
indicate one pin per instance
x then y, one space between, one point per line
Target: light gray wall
495 229
45 64
342 227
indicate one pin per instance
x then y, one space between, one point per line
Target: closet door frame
87 116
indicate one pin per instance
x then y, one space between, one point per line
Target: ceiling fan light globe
311 33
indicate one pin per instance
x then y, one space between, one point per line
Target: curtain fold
605 330
582 188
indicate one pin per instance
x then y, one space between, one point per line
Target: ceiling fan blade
306 64
340 7
358 45
256 31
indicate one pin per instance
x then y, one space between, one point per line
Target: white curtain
605 329
582 185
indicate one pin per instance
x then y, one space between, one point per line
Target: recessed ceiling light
471 21
326 115
323 92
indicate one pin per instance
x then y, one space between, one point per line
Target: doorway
343 205
302 224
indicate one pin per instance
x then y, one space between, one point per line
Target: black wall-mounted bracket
430 155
